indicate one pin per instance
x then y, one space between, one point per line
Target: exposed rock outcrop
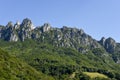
60 37
109 44
46 27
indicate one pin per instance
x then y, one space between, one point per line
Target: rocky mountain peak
9 33
102 41
17 25
27 23
46 27
109 44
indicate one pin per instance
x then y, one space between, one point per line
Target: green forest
33 60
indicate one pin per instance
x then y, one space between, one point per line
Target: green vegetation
95 74
59 62
12 68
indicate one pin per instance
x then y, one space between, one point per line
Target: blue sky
97 18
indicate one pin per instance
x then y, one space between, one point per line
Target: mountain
61 52
59 37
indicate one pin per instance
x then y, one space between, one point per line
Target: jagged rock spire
102 41
27 23
109 44
17 25
46 27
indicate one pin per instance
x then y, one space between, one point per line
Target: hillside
62 62
59 52
12 68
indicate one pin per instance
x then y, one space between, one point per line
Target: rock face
25 29
27 24
8 33
59 37
17 25
102 41
109 44
46 27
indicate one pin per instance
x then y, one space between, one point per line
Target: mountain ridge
31 25
65 36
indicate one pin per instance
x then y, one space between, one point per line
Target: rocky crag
59 37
